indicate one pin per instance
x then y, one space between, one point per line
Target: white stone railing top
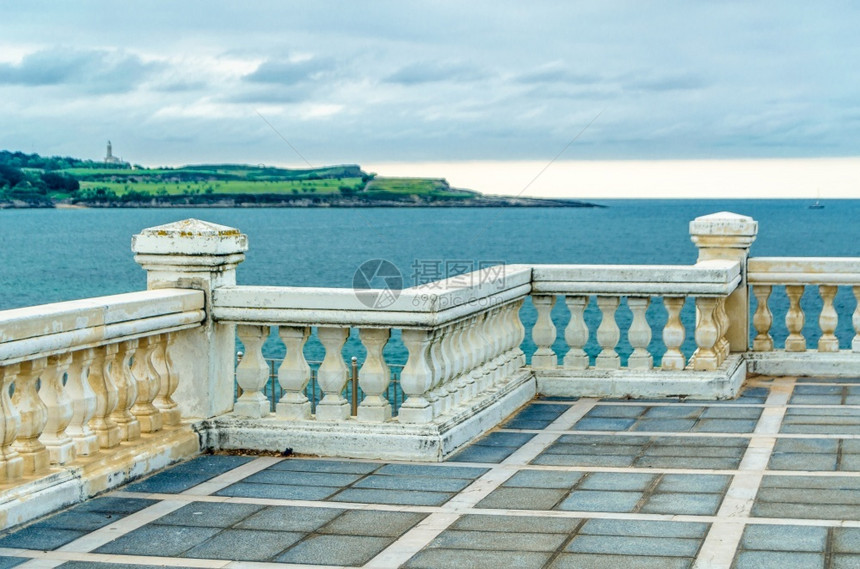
50 329
423 306
706 278
804 270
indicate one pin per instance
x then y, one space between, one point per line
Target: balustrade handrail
423 306
52 329
804 270
706 278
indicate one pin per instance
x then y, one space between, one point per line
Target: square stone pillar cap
723 229
190 237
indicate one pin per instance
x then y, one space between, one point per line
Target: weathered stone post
199 255
728 236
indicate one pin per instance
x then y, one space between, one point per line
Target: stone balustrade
709 283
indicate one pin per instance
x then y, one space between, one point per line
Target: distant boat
816 205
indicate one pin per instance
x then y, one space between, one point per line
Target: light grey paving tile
806 511
779 560
374 496
601 424
332 466
798 461
673 412
624 545
644 528
485 454
434 471
601 501
584 460
209 514
544 479
664 425
505 439
473 559
335 550
617 411
810 496
784 538
798 399
843 561
804 482
290 518
850 462
244 545
846 540
277 491
495 541
726 412
516 524
594 449
605 440
696 463
297 478
596 561
522 499
822 446
725 426
679 503
704 483
617 481
369 522
695 451
409 483
169 541
703 442
851 446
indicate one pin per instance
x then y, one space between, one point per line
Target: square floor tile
335 550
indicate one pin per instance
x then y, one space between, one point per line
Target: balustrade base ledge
30 498
391 440
722 383
844 363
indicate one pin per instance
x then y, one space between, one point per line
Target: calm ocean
55 255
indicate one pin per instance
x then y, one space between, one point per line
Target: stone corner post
728 236
197 255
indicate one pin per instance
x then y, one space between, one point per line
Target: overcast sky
386 82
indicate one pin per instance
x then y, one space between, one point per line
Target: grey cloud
96 71
289 72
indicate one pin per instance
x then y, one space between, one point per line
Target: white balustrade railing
796 275
87 375
709 282
462 340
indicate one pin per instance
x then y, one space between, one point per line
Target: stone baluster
497 337
294 374
332 375
519 335
252 373
707 333
503 333
762 319
828 319
84 400
446 394
461 363
855 320
544 333
34 416
60 445
639 334
490 367
11 463
374 376
674 334
416 378
436 367
101 378
168 381
723 324
576 333
608 333
129 427
473 346
148 383
794 319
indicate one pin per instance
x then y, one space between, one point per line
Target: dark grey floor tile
778 560
516 524
409 483
784 538
725 426
664 425
114 505
96 565
505 439
598 561
546 459
681 504
75 520
170 541
673 412
188 474
476 559
411 498
616 411
331 466
335 550
544 479
700 483
617 481
522 499
630 545
290 518
601 501
373 523
209 514
294 478
9 562
802 461
495 541
601 424
485 454
41 538
644 528
846 540
244 545
430 470
277 491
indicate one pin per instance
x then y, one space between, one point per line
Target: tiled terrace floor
771 479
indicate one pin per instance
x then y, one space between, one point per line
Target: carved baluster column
855 320
34 416
83 398
723 324
498 332
442 373
639 334
608 333
168 381
101 379
544 333
461 363
332 375
490 367
576 333
374 376
674 334
519 335
762 319
11 464
252 373
828 319
707 334
126 384
294 374
794 320
148 383
472 346
60 445
416 378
